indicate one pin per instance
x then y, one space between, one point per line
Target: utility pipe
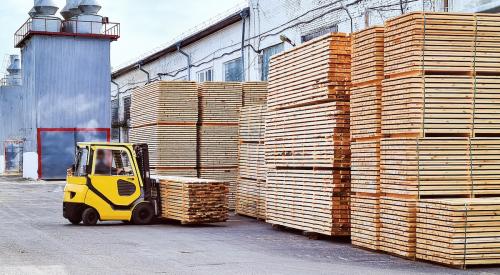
188 60
144 71
118 96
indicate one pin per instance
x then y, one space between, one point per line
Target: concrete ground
35 239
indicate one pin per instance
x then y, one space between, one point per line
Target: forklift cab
110 182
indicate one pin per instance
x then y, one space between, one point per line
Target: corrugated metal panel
67 83
11 116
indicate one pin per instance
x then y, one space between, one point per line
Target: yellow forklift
111 182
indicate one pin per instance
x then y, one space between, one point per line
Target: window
267 53
233 71
127 102
206 75
112 163
81 163
115 111
319 32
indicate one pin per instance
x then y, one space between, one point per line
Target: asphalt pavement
36 239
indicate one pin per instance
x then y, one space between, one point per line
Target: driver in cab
104 165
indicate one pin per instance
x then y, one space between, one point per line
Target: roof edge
222 24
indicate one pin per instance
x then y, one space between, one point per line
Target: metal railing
54 26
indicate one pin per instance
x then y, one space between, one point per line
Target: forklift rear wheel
75 220
90 216
143 214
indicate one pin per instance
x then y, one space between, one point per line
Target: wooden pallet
314 71
398 226
251 198
254 93
252 124
193 201
225 174
440 166
365 221
443 42
309 136
368 55
165 101
459 232
365 166
220 102
309 200
169 145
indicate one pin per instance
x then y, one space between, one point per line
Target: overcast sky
145 24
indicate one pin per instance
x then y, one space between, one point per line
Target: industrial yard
35 239
279 137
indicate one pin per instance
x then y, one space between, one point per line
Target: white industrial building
264 28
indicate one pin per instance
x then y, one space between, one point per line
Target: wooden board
398 226
220 102
442 42
251 198
192 200
252 161
314 71
365 166
190 172
309 200
165 101
314 136
254 93
218 146
367 55
169 145
228 175
459 232
441 166
252 124
365 221
366 111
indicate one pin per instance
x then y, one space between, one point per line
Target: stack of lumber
251 193
254 93
307 137
219 104
193 200
442 42
366 111
439 117
164 115
459 232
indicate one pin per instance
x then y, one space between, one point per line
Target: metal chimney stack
71 10
14 70
87 21
43 17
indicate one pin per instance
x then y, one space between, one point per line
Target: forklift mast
151 186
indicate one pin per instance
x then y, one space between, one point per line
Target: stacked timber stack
441 128
254 93
307 137
193 200
164 115
251 193
219 104
459 232
366 110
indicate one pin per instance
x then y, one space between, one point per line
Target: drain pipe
118 96
244 14
188 59
144 71
349 15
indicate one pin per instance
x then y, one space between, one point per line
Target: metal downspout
144 71
118 96
188 60
244 14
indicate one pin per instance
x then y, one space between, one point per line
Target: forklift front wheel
90 216
143 214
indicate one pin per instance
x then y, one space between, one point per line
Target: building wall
12 127
269 19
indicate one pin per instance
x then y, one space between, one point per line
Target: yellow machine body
113 196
